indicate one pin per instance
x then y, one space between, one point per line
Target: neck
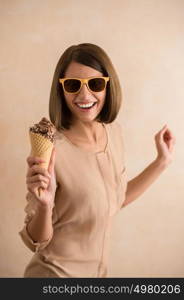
87 131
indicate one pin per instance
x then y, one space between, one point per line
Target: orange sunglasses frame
82 80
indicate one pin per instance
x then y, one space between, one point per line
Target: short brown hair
95 57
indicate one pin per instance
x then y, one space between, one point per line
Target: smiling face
85 96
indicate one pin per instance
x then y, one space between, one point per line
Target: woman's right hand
38 177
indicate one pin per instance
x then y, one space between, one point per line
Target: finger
159 133
52 161
163 128
37 178
171 146
168 132
35 170
31 160
33 187
171 134
164 133
168 136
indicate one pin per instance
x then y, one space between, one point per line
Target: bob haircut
95 57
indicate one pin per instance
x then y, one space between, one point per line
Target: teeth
85 105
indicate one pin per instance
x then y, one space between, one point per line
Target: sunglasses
73 85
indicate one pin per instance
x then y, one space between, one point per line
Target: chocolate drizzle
45 128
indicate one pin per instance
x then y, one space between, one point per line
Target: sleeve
30 211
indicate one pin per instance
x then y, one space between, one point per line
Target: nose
84 94
84 90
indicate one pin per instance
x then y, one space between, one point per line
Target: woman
68 226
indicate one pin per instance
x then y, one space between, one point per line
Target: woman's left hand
165 141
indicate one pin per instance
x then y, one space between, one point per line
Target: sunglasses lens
97 84
72 85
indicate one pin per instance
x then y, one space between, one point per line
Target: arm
38 229
42 220
165 141
36 218
138 185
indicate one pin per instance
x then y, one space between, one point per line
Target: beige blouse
91 189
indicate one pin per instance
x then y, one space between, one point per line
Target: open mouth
86 107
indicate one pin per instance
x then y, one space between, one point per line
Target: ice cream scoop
42 139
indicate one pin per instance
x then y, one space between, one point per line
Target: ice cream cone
41 147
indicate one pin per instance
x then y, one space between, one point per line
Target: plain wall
144 39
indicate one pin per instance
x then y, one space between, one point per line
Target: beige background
144 39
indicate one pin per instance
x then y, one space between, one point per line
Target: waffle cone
41 147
